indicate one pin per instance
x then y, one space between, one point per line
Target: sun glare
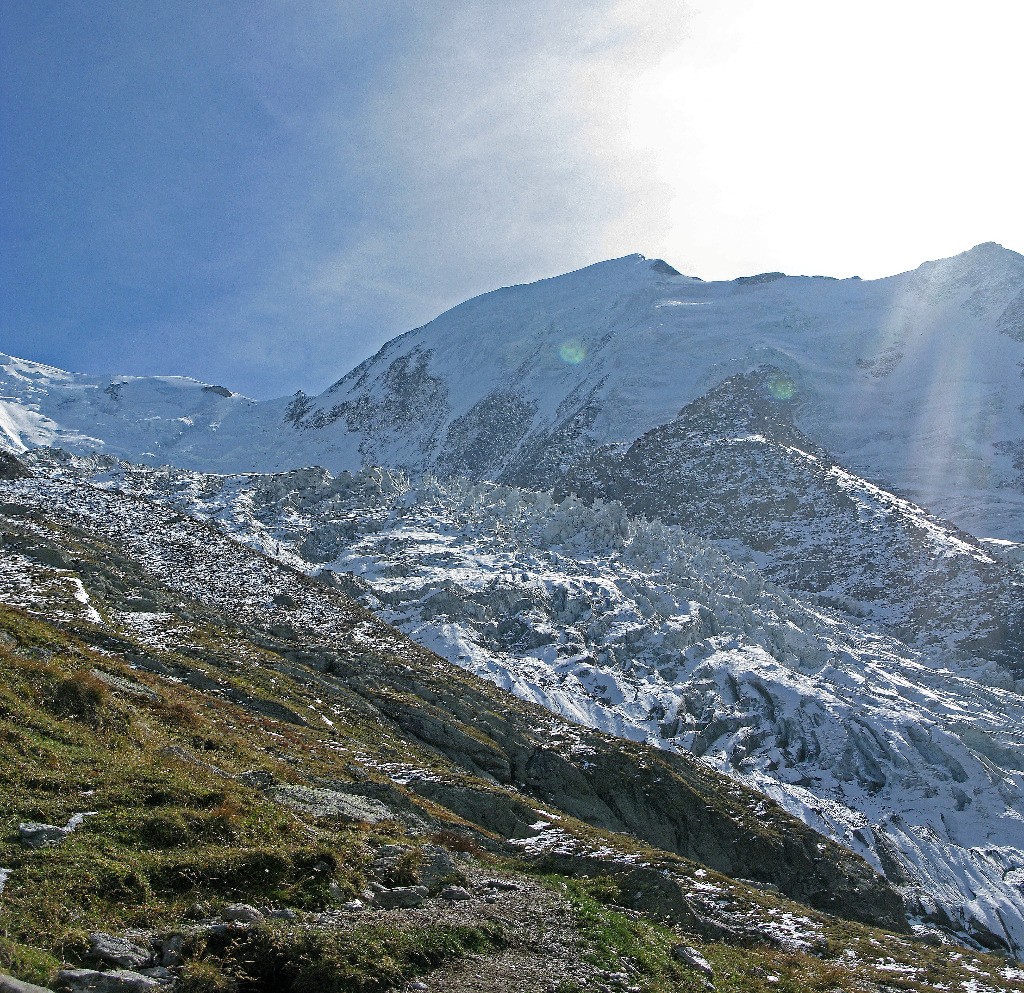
824 138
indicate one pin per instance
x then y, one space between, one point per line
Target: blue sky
167 174
261 193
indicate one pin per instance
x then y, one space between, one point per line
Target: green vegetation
171 828
368 958
852 957
614 937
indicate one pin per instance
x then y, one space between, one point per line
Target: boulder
117 951
118 981
35 835
401 896
283 914
241 913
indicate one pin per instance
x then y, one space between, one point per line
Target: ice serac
734 468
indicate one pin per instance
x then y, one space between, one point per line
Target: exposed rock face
11 467
331 803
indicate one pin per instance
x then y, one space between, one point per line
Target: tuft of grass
206 976
80 696
31 964
371 958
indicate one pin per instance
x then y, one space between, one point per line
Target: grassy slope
176 826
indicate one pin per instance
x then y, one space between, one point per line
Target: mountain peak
988 255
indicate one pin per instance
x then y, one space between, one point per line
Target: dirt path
544 949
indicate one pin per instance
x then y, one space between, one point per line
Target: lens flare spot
573 352
781 388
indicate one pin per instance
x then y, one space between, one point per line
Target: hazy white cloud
498 152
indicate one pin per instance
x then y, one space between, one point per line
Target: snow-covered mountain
146 418
715 516
913 381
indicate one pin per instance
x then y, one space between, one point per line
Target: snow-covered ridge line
911 380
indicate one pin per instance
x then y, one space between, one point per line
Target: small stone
498 884
389 853
158 972
91 981
241 913
284 914
354 905
417 986
490 898
117 951
691 957
456 893
171 950
401 896
35 835
260 778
